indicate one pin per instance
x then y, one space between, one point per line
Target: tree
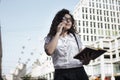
26 77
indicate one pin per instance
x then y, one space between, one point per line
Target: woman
63 43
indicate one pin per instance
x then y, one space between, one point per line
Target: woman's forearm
51 46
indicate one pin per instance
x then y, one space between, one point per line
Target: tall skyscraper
96 19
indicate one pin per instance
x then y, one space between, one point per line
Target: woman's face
67 21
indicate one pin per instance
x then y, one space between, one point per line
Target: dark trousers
70 74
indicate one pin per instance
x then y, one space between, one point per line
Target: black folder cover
92 52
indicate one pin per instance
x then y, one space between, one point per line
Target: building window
87 38
91 38
75 22
90 17
118 20
118 2
103 1
114 20
90 4
100 12
90 10
114 14
110 7
86 10
113 1
94 24
79 30
95 38
106 1
98 25
86 16
97 11
83 16
113 43
83 30
107 13
112 26
93 17
90 24
110 1
91 31
105 26
83 23
119 27
117 14
111 19
108 26
79 22
82 9
101 25
107 48
98 18
113 56
111 13
115 27
93 4
106 6
87 30
99 5
103 6
94 31
107 56
50 75
84 37
105 19
117 8
86 23
93 11
107 67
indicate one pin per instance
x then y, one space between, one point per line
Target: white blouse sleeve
47 39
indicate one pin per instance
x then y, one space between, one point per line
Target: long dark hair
57 19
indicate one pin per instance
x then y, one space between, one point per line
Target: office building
96 19
108 64
99 20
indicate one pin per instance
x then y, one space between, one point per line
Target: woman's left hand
86 59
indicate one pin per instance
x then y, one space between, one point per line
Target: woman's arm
51 46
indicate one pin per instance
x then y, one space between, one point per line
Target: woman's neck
63 34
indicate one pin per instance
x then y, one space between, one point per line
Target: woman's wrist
58 33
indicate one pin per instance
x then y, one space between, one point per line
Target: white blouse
67 48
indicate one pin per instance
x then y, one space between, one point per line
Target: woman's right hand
51 46
60 27
86 59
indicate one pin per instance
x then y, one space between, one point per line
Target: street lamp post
0 55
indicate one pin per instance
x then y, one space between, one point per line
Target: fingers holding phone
60 27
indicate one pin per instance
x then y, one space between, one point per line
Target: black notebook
92 52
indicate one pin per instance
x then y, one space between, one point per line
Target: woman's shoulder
47 39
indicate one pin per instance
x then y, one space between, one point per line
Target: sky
24 24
